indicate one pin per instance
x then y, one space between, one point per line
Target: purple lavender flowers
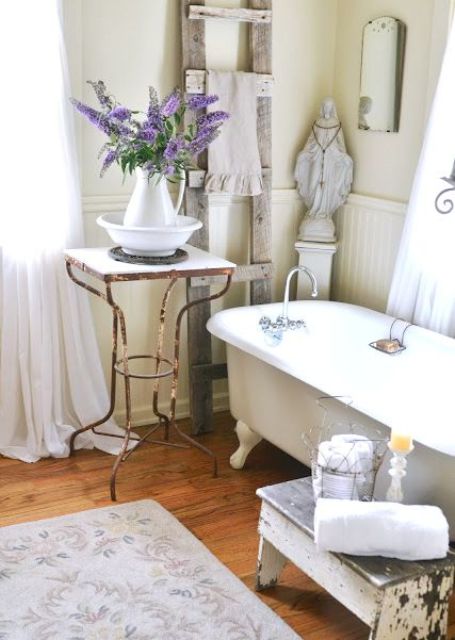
170 104
157 140
120 113
197 102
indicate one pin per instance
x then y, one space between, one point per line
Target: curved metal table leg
106 297
172 422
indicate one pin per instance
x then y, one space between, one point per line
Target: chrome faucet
314 288
274 330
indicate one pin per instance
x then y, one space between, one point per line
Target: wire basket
345 459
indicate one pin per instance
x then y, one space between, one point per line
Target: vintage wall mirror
381 74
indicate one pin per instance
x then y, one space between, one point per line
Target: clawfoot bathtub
274 389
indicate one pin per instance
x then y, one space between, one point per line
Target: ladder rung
195 82
202 372
257 16
242 273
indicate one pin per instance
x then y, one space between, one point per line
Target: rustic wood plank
196 205
193 45
199 353
270 565
242 273
196 178
212 371
261 208
261 40
261 239
196 82
256 16
193 38
417 608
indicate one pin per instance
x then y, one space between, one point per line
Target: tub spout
314 288
273 331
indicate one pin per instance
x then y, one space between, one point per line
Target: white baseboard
143 415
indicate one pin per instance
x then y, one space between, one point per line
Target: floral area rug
130 571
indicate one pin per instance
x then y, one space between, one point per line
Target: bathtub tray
390 596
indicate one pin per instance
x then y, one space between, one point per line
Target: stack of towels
385 529
344 468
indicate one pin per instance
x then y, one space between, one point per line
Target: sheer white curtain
51 379
423 286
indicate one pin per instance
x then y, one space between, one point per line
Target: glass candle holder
397 471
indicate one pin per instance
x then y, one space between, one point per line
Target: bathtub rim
218 326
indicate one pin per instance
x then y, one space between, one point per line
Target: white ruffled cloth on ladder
234 165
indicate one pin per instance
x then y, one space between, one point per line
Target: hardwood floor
222 512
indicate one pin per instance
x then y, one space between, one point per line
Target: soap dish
391 347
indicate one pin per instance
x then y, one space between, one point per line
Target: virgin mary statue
323 174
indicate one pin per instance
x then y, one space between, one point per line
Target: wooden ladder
260 270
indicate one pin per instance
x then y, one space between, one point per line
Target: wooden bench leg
416 609
270 565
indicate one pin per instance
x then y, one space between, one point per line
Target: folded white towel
234 165
384 529
363 449
333 485
345 457
344 454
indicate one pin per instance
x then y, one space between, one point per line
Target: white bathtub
273 390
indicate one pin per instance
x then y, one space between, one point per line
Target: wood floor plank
222 512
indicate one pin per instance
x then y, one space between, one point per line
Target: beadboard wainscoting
369 232
229 231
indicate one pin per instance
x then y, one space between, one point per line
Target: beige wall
316 51
369 228
385 162
133 43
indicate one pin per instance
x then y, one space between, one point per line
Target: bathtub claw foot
248 439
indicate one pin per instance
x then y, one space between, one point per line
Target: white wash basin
149 241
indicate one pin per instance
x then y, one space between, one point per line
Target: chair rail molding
105 203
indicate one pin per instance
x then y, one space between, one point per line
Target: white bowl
149 241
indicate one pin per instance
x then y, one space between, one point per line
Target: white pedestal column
317 256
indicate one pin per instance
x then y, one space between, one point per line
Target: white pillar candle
401 441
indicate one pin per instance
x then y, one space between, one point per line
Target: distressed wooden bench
398 600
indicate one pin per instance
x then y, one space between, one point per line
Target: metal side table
98 264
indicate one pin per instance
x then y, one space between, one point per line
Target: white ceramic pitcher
150 204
